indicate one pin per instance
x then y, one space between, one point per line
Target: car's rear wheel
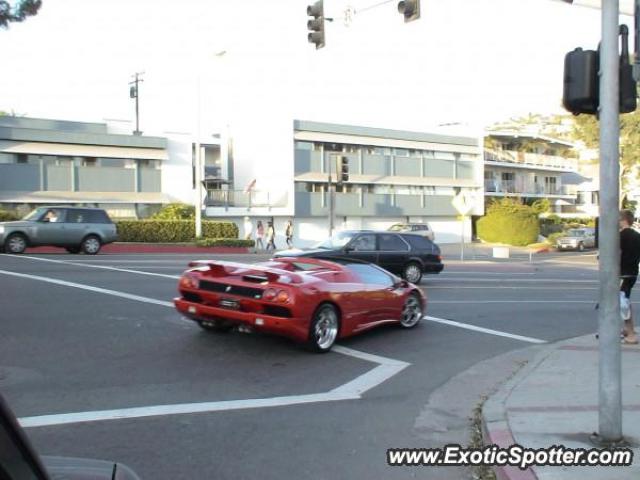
91 245
324 328
73 249
216 326
15 243
412 272
411 312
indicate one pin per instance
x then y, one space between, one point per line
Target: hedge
6 216
509 222
159 231
224 242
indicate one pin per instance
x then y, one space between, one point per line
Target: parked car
309 300
74 228
404 254
423 229
20 461
577 239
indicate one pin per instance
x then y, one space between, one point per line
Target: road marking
103 267
106 291
504 287
484 330
592 302
512 280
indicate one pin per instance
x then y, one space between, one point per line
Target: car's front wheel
15 243
411 312
581 247
324 328
412 272
91 245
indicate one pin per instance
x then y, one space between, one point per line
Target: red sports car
310 300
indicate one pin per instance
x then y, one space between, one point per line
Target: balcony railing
533 159
517 187
240 198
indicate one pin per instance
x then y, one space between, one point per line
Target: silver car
577 239
77 229
423 229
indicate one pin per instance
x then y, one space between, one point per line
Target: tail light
440 258
273 295
189 281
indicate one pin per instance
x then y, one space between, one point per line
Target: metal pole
610 398
462 240
137 106
198 159
331 198
636 40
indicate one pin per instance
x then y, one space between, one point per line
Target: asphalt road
98 334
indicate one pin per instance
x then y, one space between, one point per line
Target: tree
20 11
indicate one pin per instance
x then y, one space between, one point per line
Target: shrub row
6 216
224 242
509 222
170 231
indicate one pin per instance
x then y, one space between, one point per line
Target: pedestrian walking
629 258
271 237
259 236
289 234
248 228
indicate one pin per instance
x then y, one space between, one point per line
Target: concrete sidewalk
553 400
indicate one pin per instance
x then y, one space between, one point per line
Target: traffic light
628 93
581 92
410 9
343 169
315 25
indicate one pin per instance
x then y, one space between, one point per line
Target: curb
495 423
114 248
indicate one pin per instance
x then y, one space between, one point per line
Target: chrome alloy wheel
412 312
16 244
91 245
326 327
413 273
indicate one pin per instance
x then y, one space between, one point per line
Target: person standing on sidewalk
259 236
629 258
289 234
271 237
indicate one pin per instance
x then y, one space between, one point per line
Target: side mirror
401 284
348 249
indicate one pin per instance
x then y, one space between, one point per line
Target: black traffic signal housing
315 24
581 92
343 169
410 9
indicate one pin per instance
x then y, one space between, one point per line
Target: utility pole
610 366
134 92
331 192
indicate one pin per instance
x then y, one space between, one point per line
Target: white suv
423 229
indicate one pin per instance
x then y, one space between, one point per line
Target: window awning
76 150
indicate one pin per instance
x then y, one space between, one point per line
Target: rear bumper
294 327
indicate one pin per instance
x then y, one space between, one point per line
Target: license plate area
229 304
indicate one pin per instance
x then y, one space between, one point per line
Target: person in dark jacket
629 258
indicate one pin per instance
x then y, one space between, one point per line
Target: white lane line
178 409
504 287
103 267
477 272
511 280
592 302
106 291
484 330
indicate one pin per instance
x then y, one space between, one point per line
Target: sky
220 62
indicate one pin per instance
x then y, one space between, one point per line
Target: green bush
224 242
553 238
7 216
175 211
171 231
509 222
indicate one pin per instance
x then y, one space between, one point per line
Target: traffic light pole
610 365
331 197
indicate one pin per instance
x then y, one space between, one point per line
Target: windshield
34 215
575 233
338 240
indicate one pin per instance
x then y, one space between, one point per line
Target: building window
304 145
146 163
89 162
22 158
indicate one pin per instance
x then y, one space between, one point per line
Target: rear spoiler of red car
231 268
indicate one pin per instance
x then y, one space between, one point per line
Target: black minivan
405 254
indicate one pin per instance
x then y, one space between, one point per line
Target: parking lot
97 363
